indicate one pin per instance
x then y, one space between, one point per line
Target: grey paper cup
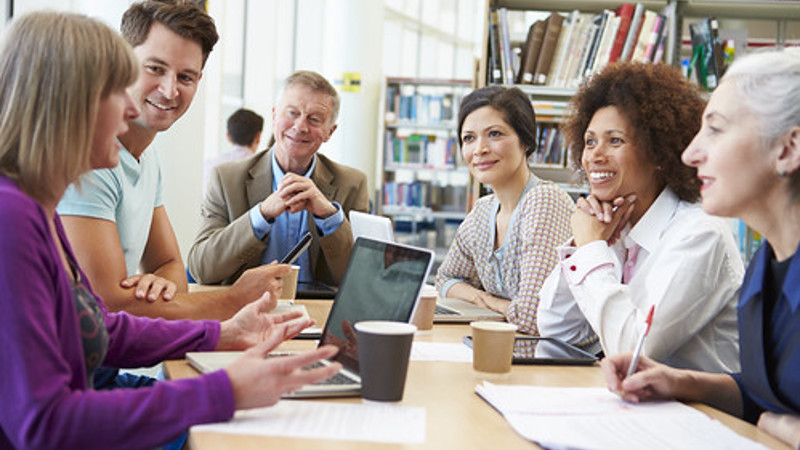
383 351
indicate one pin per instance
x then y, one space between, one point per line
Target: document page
594 418
369 422
440 351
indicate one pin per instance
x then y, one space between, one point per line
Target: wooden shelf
568 5
767 10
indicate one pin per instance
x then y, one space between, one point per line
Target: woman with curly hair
640 240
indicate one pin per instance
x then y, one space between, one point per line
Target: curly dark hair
515 106
663 107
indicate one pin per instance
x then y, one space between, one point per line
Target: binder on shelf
705 52
549 43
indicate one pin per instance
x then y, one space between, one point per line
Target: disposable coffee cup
492 347
423 317
289 289
383 350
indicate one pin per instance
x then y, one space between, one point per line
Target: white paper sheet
285 306
440 351
370 422
594 418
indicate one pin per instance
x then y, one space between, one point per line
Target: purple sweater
44 400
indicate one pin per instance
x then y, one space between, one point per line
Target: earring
782 173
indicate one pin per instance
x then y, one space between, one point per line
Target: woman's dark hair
662 106
512 103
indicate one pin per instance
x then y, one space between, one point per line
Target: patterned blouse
517 270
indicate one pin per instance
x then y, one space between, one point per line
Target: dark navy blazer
765 388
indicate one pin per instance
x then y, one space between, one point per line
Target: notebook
383 281
371 226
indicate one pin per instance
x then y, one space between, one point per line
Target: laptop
314 290
454 310
371 226
383 281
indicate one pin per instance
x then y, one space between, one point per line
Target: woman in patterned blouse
505 247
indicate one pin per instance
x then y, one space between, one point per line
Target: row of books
420 104
562 51
420 150
424 194
550 148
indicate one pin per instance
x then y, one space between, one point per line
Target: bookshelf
753 23
510 25
424 183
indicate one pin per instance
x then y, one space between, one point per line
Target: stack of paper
370 422
594 418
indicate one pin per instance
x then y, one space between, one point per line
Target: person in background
256 210
747 157
116 219
505 247
640 239
63 102
244 134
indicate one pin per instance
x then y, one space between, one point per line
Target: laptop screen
382 282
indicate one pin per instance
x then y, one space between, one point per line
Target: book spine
549 43
505 47
652 42
625 13
644 36
633 33
496 72
533 51
609 34
564 43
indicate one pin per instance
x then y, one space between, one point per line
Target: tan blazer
225 245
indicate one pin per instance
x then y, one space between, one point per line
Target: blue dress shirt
285 230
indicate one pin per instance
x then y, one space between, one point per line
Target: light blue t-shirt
288 228
125 195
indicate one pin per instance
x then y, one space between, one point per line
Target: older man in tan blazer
256 209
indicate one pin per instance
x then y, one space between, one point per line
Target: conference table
456 416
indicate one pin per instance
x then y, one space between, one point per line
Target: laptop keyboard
440 311
337 379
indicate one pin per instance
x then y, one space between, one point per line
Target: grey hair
317 83
769 86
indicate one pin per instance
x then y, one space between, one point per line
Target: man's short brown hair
183 17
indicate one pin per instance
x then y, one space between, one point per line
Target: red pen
638 350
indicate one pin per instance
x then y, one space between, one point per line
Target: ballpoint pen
638 351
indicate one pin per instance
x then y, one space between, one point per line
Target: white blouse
688 266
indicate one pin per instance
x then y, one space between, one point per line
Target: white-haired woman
747 156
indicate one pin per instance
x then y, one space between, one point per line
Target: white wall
328 36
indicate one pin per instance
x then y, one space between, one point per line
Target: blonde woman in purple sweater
63 102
